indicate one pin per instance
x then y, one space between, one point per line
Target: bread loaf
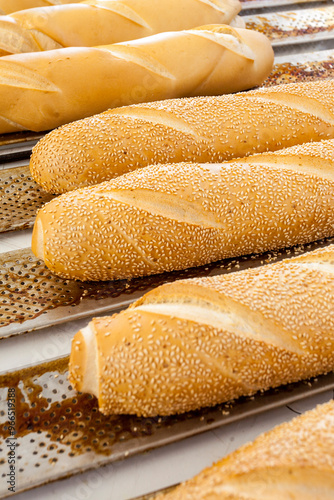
42 90
9 6
171 217
198 342
295 461
102 22
202 129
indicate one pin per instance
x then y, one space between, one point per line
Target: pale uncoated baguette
295 461
101 22
42 90
171 217
199 342
206 129
9 6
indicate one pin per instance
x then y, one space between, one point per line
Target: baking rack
61 432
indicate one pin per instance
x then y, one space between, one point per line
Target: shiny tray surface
59 432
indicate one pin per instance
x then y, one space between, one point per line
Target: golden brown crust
170 217
294 460
78 359
200 342
9 6
48 85
97 22
203 129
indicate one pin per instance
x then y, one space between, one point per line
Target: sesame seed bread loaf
9 6
295 460
202 129
57 86
175 216
203 341
101 22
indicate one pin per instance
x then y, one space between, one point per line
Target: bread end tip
37 241
77 361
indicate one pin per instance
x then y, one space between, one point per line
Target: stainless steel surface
60 432
17 146
34 298
295 27
293 68
277 4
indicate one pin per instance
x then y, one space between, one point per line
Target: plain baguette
199 342
295 460
42 90
203 129
9 6
102 22
171 217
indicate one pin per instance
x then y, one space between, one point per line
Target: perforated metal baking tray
277 4
20 198
295 27
309 66
59 432
34 298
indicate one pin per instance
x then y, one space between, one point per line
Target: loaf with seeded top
203 341
295 461
200 129
175 216
102 22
